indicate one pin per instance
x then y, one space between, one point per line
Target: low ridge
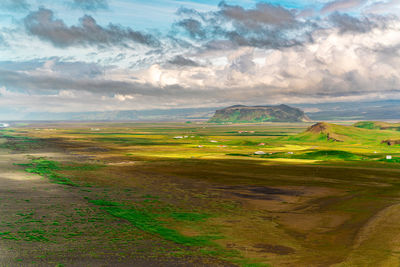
378 125
329 132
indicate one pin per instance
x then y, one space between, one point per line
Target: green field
322 196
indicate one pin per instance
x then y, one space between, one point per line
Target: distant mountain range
126 115
377 110
246 114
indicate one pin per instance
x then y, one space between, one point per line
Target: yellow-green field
328 198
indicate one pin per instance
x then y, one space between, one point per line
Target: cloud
123 97
90 5
268 26
335 67
347 23
259 55
244 62
182 61
341 5
262 14
264 26
193 27
44 80
383 7
44 25
15 5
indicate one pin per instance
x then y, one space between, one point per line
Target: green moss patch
146 221
48 168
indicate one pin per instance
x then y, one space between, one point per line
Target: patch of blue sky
6 20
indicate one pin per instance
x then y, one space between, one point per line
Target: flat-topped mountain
247 114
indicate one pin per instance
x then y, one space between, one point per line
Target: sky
102 55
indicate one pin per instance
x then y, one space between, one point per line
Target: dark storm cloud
264 26
14 5
262 14
90 5
347 23
270 26
193 27
44 25
182 61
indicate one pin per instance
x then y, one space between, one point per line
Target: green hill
256 114
317 155
328 132
378 125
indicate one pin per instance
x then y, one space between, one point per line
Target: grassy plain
307 200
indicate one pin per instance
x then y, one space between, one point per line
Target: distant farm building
388 157
259 153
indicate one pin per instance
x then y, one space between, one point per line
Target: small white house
290 153
178 137
259 153
388 157
213 141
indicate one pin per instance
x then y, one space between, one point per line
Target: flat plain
199 194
